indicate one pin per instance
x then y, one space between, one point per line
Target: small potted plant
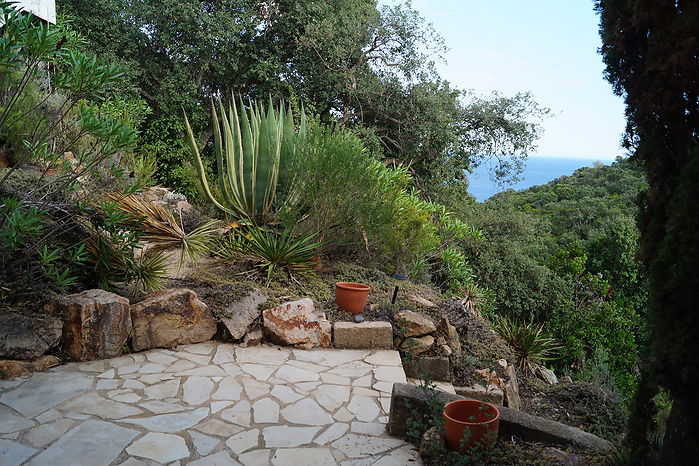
470 425
351 297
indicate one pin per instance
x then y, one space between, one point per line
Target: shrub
531 345
269 251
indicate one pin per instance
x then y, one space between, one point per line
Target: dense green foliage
563 254
650 52
371 69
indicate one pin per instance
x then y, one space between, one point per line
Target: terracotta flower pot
351 297
470 425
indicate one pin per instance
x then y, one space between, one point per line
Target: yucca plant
248 147
531 345
270 251
162 229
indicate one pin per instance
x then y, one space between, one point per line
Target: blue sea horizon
538 170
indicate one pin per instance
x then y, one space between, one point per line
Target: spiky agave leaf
531 345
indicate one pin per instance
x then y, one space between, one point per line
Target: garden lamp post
398 277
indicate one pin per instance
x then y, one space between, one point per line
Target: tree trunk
681 443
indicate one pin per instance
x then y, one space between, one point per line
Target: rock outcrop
239 315
413 324
297 323
96 324
170 317
28 336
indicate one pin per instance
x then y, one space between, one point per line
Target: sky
547 47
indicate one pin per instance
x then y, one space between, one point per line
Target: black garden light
398 277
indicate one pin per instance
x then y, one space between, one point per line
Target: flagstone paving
207 404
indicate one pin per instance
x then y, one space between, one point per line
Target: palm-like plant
271 251
248 147
161 228
531 345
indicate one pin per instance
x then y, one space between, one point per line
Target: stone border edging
406 397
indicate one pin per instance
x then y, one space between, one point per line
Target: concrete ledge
364 335
406 398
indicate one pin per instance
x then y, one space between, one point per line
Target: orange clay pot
351 297
470 425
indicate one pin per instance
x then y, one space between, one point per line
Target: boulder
413 324
297 323
452 337
547 375
12 369
511 389
417 346
239 315
96 324
490 393
28 336
170 317
252 338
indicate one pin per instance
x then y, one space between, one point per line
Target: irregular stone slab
27 336
265 411
44 391
303 457
228 389
390 374
295 374
414 324
92 403
204 348
287 436
356 446
217 406
167 389
255 389
10 423
224 354
330 358
96 324
162 448
404 455
332 433
196 390
239 414
170 317
352 369
171 422
222 458
14 453
103 440
243 441
262 355
218 428
332 397
297 323
307 412
161 407
255 458
365 408
285 394
160 357
203 443
369 428
367 334
259 371
384 358
334 379
45 434
239 315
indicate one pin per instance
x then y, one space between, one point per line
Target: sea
538 170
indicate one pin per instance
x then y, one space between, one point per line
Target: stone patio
207 404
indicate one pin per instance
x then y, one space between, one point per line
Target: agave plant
248 147
531 345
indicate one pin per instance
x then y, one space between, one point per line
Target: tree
649 49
